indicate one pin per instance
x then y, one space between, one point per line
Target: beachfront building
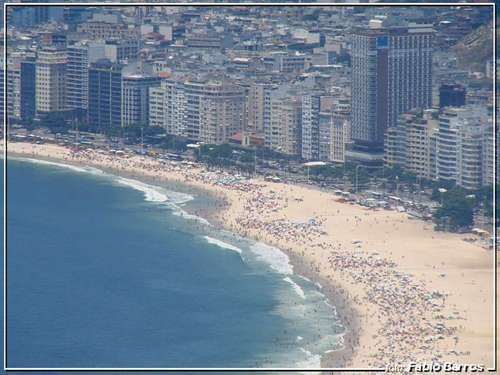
258 107
462 144
216 109
284 132
409 143
80 56
340 135
135 99
28 89
391 74
209 111
105 95
13 88
334 130
310 127
50 81
488 156
167 106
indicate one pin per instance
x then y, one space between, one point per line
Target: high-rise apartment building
310 127
206 111
13 89
488 156
409 144
135 99
461 146
167 106
50 81
259 106
105 95
341 130
28 89
391 73
80 56
215 110
2 81
334 130
284 132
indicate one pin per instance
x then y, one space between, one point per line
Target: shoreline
343 308
362 319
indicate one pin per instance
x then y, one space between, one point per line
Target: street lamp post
442 191
142 140
357 168
255 161
419 183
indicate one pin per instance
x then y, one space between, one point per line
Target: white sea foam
151 193
295 287
277 259
178 197
311 361
180 212
222 244
318 285
60 165
300 338
158 194
330 306
304 278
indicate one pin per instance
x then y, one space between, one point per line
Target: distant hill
475 49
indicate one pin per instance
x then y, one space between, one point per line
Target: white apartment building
470 129
80 56
259 107
210 111
284 132
488 156
13 88
310 127
334 131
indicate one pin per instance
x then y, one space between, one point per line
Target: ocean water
105 271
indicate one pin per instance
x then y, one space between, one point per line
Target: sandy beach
405 292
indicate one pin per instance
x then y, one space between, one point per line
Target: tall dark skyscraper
392 73
28 90
105 95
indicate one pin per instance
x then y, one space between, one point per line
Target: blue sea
106 271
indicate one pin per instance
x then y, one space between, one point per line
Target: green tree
456 209
114 131
29 124
247 157
56 122
153 130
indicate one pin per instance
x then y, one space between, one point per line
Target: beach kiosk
313 164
